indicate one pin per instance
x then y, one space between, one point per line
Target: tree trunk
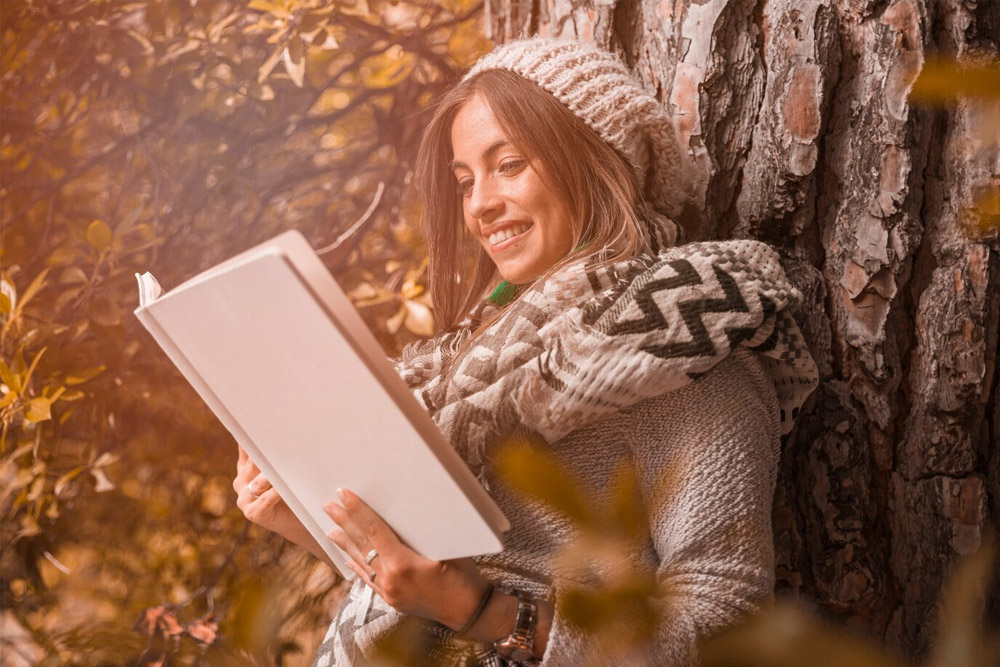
795 114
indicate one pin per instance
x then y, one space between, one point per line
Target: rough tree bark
795 114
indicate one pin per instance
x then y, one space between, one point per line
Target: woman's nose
485 201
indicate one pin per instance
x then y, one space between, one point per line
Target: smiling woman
583 190
509 207
550 170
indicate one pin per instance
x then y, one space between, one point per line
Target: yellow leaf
31 368
268 6
626 514
38 409
294 59
987 212
786 636
944 81
537 475
99 234
419 319
387 69
103 311
10 379
33 288
67 478
103 483
960 637
80 377
271 62
72 275
393 323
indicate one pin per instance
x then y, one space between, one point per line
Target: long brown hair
592 181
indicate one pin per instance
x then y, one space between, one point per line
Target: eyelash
509 167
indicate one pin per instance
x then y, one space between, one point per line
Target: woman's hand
264 507
445 591
448 592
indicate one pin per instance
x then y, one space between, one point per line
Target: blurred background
167 136
861 138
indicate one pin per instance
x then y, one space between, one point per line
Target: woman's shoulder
736 396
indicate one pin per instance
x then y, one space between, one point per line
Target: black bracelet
478 612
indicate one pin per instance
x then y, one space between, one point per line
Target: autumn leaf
942 81
419 318
295 62
787 636
79 377
99 234
537 475
104 311
38 409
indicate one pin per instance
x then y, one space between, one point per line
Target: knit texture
592 340
598 88
707 542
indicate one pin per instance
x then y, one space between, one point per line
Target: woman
550 168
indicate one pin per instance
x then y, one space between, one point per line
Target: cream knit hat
598 88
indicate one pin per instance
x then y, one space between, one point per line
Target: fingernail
328 508
341 493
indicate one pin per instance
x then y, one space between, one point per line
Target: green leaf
99 234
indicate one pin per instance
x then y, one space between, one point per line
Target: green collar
503 293
506 291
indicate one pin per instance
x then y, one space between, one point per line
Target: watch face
514 650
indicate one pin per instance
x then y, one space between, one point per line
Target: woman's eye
512 166
464 187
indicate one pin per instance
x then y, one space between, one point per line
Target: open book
279 353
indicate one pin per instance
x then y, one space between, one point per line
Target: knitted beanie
598 88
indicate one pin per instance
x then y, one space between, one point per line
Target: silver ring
250 488
370 556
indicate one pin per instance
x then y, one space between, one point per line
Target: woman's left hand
445 591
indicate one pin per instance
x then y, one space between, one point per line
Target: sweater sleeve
706 458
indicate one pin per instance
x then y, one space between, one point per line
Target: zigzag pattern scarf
590 341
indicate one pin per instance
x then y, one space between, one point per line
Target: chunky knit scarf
589 341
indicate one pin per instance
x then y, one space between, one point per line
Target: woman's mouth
507 237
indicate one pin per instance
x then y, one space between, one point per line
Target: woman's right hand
265 507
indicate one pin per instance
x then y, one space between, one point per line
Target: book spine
162 338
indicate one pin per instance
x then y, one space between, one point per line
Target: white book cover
277 350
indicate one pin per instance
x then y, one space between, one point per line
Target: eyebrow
495 146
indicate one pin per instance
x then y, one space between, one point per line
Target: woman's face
520 221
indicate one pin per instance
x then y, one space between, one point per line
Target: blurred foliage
167 136
621 613
973 81
789 636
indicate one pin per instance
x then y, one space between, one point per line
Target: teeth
511 232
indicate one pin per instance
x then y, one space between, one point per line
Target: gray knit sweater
709 536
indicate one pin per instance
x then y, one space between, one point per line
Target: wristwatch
520 644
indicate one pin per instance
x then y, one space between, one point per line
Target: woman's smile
505 238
